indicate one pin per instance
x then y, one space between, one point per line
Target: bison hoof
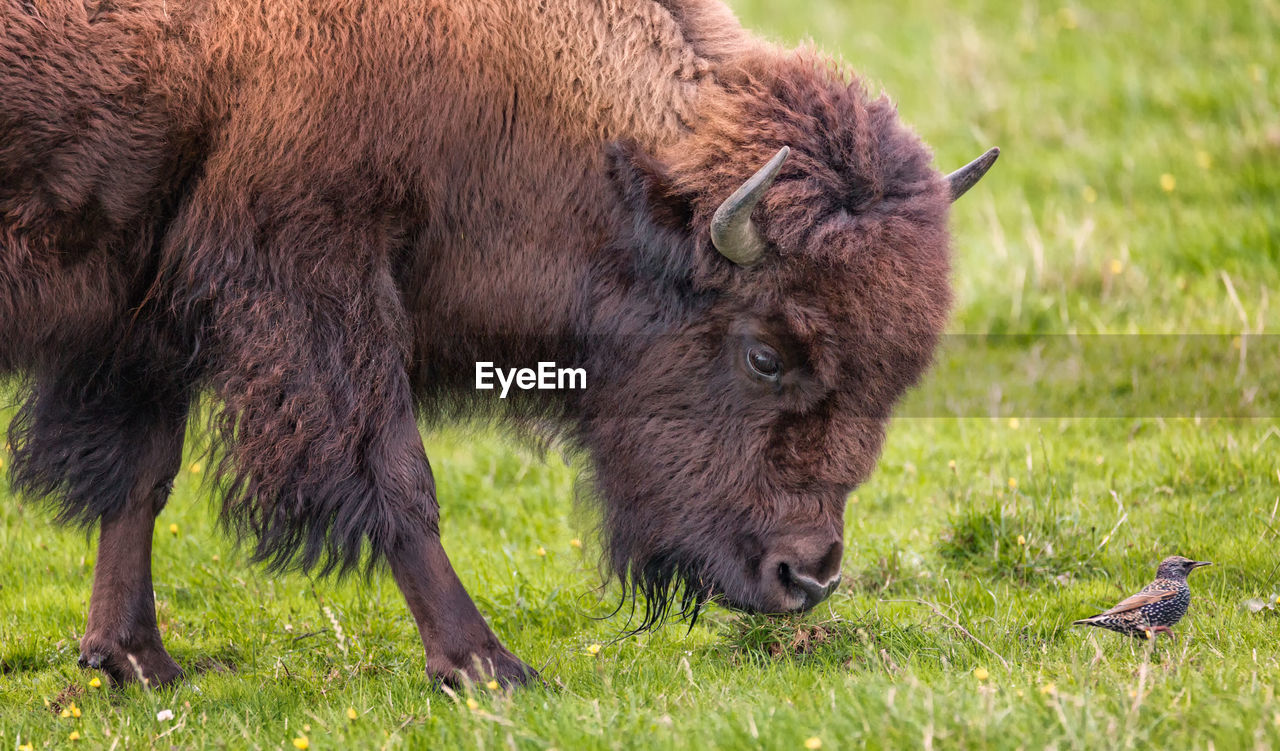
152 666
501 666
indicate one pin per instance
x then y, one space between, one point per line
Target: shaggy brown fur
326 211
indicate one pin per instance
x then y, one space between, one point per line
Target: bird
1155 609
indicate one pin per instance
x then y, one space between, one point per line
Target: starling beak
1155 609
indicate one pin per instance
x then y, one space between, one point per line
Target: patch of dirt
805 639
64 698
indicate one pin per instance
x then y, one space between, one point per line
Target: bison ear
654 217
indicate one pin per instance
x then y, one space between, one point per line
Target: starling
1155 609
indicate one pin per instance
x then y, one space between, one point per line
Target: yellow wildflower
301 743
26 747
75 735
593 649
173 529
472 704
351 713
492 685
575 543
1168 182
981 674
1014 423
65 713
541 551
951 465
95 682
1013 483
1115 266
813 743
75 711
1049 689
1022 540
196 468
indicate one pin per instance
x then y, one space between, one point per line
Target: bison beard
325 213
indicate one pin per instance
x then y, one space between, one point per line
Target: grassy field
1137 195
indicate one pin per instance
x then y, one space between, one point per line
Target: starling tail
1155 609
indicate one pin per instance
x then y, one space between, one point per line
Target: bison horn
969 175
732 232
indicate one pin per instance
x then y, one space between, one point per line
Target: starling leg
1157 630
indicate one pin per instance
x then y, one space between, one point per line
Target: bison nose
811 578
813 590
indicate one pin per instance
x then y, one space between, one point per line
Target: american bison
325 213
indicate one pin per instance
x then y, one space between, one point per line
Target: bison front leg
458 642
122 638
309 352
108 456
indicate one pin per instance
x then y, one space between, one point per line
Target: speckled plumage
1157 607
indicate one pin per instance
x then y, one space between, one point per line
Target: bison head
780 279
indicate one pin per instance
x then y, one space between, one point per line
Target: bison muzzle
322 214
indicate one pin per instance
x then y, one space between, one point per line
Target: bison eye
764 362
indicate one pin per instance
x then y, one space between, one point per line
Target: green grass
1072 233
